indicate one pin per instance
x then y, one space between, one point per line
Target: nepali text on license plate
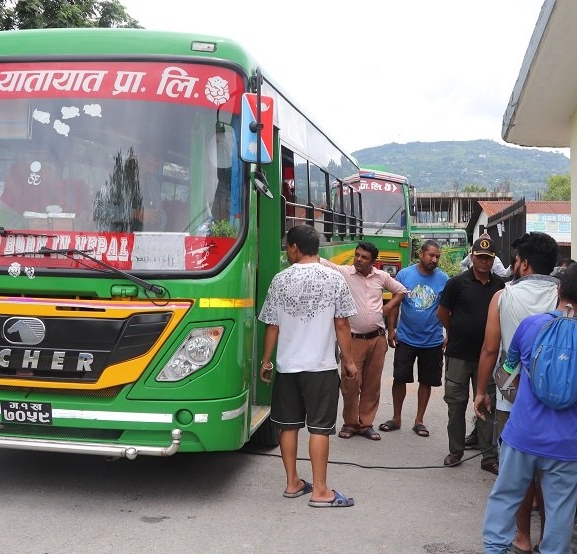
26 412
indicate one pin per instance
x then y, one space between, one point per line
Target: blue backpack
553 365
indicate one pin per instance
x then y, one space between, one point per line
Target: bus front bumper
99 449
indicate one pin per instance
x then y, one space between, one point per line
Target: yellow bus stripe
226 302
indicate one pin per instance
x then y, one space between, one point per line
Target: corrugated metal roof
549 207
493 208
533 207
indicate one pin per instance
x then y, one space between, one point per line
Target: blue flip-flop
339 501
307 488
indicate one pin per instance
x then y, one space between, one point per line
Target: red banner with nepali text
201 85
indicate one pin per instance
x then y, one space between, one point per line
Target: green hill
450 165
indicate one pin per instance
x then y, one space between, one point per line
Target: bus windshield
384 202
136 162
383 209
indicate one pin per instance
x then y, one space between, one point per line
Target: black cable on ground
355 464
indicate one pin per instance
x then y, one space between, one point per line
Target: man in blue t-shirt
536 440
418 336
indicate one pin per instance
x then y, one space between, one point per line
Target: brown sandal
390 425
371 434
346 433
421 430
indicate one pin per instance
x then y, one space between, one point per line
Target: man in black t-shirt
463 312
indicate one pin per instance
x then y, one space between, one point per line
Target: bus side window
294 188
319 199
301 189
288 189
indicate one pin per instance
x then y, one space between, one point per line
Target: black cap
484 247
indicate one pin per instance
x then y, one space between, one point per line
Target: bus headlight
195 352
391 269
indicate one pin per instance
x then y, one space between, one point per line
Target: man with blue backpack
541 433
532 291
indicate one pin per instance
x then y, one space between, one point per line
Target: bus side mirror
412 200
256 121
261 184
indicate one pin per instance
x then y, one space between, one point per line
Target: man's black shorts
429 364
306 398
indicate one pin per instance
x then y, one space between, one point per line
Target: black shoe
471 442
491 467
453 459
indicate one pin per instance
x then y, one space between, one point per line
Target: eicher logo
23 332
26 331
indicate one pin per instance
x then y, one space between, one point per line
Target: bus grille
394 258
44 431
67 341
110 392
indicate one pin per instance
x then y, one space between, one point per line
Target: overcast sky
372 72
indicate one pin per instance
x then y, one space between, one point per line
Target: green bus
142 218
453 241
388 201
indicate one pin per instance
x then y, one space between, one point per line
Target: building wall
452 208
481 223
573 170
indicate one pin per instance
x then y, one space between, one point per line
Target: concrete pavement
406 500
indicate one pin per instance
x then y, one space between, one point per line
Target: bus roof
75 43
48 43
376 174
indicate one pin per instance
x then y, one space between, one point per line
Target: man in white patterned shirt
306 308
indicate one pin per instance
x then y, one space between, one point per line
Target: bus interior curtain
236 186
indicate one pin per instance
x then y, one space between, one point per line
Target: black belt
368 335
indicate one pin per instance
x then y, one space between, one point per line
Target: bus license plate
26 412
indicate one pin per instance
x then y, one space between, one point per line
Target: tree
558 188
446 263
43 14
474 188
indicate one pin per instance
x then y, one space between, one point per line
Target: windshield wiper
156 289
388 221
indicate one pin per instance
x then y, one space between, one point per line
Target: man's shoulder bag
507 379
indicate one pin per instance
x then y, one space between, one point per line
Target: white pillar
573 173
